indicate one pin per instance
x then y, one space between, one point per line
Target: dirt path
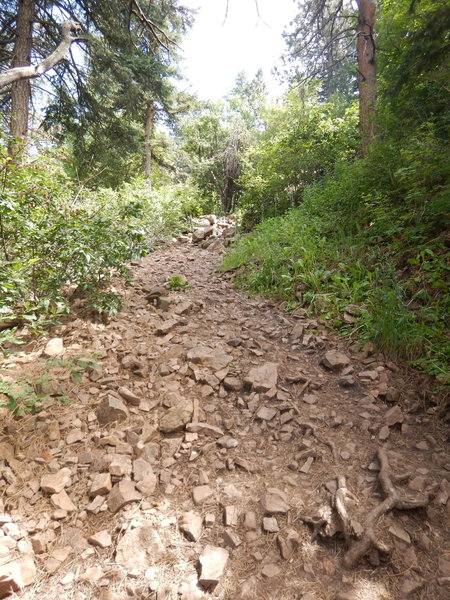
221 428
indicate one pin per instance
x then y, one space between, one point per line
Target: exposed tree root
368 540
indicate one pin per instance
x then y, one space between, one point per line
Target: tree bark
149 131
367 82
20 91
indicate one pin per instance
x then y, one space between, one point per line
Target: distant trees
321 45
213 140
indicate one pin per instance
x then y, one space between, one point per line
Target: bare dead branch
32 71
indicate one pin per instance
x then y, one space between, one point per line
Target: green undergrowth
367 250
35 391
60 241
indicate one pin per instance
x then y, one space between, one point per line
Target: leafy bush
370 234
302 141
56 240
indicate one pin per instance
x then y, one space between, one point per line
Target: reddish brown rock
263 378
55 482
122 493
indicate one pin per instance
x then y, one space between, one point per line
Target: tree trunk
20 91
149 130
367 83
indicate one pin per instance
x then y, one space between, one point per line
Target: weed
177 283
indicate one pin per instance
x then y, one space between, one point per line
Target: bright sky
216 50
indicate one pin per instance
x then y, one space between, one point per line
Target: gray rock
393 416
232 384
263 378
177 417
102 539
270 570
101 484
111 410
265 413
213 561
205 429
270 524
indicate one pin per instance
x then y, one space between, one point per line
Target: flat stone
274 502
270 570
213 561
140 548
288 542
231 538
393 416
111 410
63 501
176 418
204 429
101 484
263 378
201 493
335 360
92 574
232 384
76 435
53 348
17 574
166 326
270 524
216 359
250 521
122 493
305 468
55 482
129 396
102 539
265 413
120 465
148 484
227 442
230 517
191 525
141 468
384 433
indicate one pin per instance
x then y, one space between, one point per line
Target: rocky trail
215 447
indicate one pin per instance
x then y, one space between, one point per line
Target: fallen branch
393 499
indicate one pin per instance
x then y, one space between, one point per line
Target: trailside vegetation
361 241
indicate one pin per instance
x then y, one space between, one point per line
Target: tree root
393 500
